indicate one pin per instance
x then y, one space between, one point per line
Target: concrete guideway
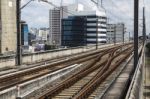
146 86
31 58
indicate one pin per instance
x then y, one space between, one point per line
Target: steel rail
98 79
72 80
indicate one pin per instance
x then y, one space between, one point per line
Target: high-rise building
55 16
24 33
93 27
8 30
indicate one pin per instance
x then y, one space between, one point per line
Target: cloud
37 13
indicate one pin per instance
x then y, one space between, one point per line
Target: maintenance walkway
146 85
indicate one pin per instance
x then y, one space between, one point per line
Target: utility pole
144 27
19 50
18 17
114 34
136 17
129 36
123 32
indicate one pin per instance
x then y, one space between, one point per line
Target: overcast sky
36 14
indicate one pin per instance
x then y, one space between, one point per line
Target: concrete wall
7 61
8 32
28 89
36 57
47 55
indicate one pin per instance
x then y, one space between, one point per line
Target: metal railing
135 89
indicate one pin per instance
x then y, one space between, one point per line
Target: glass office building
85 28
74 31
24 34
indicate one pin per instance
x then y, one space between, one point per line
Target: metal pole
19 51
123 33
144 28
129 36
114 34
136 17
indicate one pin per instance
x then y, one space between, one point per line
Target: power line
115 16
59 8
26 4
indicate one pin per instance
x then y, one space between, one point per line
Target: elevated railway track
19 77
84 82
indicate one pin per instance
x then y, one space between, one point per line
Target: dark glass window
67 23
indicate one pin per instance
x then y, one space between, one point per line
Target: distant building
120 29
8 29
115 32
31 37
74 31
43 33
24 33
111 33
55 16
94 26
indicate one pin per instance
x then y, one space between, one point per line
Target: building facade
8 29
74 31
115 33
55 16
96 29
120 29
111 33
92 26
43 34
24 34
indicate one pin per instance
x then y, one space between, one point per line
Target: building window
6 49
67 23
